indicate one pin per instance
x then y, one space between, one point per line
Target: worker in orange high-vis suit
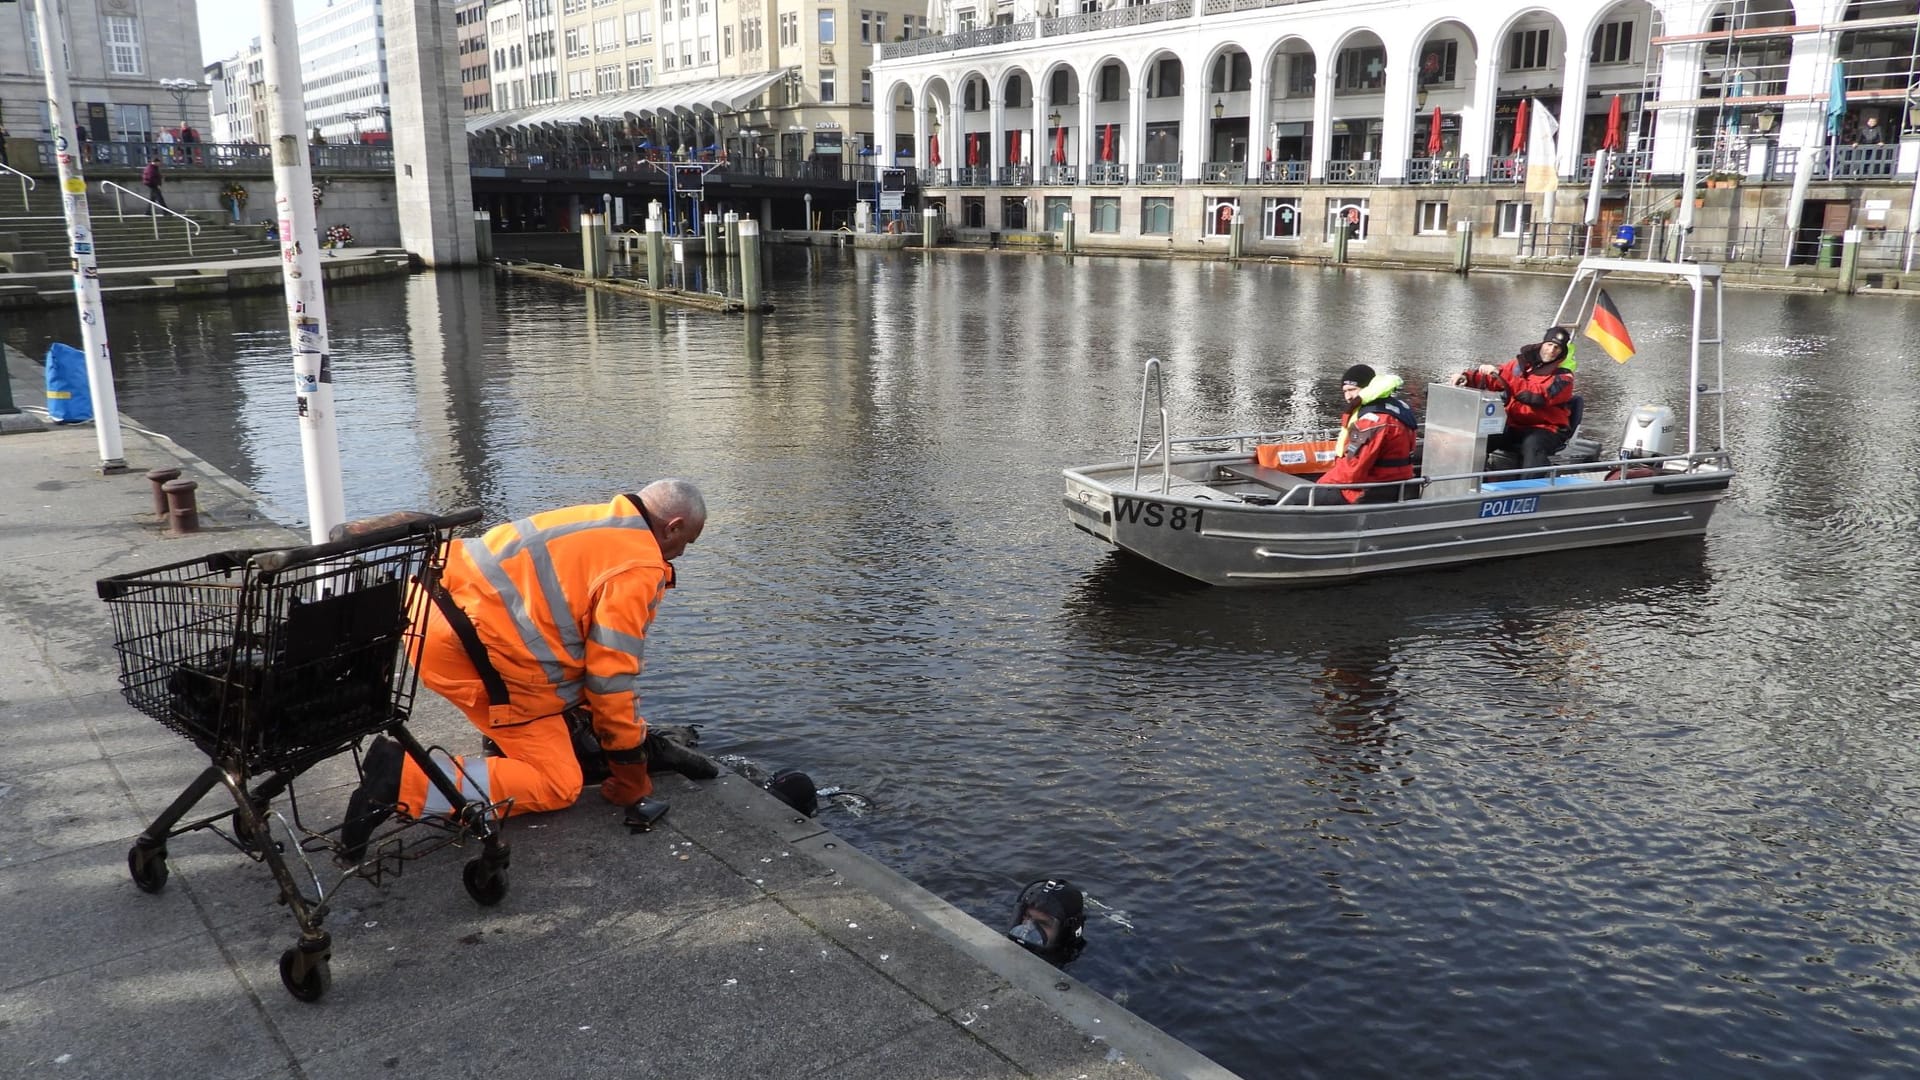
536 618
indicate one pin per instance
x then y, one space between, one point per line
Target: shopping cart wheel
486 881
304 970
147 862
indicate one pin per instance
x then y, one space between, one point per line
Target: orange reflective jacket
561 601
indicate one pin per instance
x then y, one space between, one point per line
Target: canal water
1643 811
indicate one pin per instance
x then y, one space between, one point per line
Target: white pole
86 267
300 266
1913 223
1797 199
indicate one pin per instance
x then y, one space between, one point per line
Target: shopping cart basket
272 661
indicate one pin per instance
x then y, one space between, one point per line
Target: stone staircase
33 233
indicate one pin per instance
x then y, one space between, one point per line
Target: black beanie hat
1358 375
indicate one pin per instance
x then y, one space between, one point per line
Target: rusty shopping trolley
272 661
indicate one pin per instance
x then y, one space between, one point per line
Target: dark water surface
1644 811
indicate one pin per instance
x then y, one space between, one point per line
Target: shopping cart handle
405 524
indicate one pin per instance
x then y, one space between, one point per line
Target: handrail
1150 380
192 225
26 182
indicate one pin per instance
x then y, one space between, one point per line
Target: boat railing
1150 386
1299 496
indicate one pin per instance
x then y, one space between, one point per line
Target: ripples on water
1647 810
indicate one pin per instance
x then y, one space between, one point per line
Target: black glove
665 754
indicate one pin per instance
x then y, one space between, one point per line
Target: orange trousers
539 771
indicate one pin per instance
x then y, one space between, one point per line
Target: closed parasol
1612 142
1520 128
1433 134
1059 146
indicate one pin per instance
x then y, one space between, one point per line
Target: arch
1444 63
1228 68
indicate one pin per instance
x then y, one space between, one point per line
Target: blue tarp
69 399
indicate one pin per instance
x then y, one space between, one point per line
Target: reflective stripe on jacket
561 601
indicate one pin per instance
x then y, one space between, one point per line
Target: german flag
1606 328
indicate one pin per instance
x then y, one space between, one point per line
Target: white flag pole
300 267
86 267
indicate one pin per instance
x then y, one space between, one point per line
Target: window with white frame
1359 70
706 49
606 79
1221 214
578 83
123 45
1612 43
1106 214
1527 50
1350 215
826 84
606 35
866 26
826 26
1280 218
639 27
866 86
636 74
879 26
576 41
666 11
1430 218
965 20
1510 218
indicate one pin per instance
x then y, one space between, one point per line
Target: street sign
688 179
893 184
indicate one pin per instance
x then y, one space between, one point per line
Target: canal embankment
736 938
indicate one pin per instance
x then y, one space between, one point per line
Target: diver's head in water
1049 919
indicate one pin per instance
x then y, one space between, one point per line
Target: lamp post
356 116
180 88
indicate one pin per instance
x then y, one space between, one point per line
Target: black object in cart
272 661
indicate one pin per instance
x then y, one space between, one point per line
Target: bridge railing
215 157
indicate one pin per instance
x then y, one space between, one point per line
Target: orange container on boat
1299 458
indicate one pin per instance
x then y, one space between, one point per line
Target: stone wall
364 204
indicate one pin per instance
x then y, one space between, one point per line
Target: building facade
343 71
1168 120
470 29
753 79
117 53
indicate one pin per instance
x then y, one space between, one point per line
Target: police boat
1236 509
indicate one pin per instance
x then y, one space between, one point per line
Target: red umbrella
1013 147
1106 142
1613 125
973 150
933 150
1269 155
1520 128
1433 134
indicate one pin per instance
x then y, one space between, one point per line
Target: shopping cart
272 661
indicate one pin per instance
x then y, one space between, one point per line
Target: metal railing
934 177
965 39
1507 170
1353 172
1116 18
1164 172
1015 176
26 184
1106 174
1284 172
1223 172
214 157
120 212
1060 175
1426 170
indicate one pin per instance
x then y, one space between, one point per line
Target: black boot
372 802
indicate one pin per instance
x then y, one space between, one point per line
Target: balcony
1353 172
1223 172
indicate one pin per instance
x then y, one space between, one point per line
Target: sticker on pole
73 185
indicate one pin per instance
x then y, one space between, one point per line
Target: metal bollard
182 511
159 478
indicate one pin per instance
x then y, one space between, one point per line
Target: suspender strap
470 641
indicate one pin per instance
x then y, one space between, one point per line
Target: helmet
1559 335
1049 919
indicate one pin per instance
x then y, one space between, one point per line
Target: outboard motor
1649 433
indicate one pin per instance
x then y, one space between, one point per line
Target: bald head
677 512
